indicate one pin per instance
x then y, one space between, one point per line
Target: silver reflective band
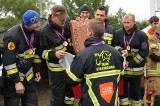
134 50
54 65
30 71
135 69
43 54
139 57
11 66
108 34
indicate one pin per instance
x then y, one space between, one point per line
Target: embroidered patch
11 46
144 45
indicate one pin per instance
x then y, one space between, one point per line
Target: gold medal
128 47
30 51
65 43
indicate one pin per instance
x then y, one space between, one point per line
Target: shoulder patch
144 45
11 46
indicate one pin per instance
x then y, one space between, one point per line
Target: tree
12 10
73 6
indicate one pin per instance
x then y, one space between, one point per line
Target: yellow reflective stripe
136 60
46 55
55 68
147 33
139 104
28 56
36 60
12 71
68 102
91 93
64 49
153 72
72 76
117 47
107 38
21 78
133 72
29 77
131 54
102 74
116 100
125 102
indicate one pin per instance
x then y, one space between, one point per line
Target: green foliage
12 10
142 25
73 6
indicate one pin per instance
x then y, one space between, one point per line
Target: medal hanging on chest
127 44
128 47
62 37
65 43
30 51
29 43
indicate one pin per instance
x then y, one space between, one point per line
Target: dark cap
59 10
84 7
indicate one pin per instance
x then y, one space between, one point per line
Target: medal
30 51
65 43
128 47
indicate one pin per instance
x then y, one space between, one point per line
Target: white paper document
67 60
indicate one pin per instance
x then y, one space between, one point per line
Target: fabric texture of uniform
98 69
136 58
16 47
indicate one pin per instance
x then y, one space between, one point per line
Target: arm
142 54
76 71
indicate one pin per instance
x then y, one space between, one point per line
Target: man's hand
60 54
37 77
19 88
126 64
125 52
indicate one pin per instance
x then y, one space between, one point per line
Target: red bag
120 87
77 91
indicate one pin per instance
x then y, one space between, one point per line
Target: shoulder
13 32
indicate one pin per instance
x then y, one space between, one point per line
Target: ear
52 16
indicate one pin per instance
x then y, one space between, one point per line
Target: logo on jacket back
106 91
102 60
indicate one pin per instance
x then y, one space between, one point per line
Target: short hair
129 15
97 27
153 19
103 8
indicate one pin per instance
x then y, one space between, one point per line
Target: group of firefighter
116 68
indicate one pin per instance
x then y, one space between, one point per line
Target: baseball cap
60 11
84 7
30 17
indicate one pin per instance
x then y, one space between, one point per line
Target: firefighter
133 40
109 34
97 68
54 43
153 21
21 62
153 72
